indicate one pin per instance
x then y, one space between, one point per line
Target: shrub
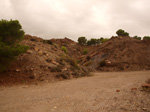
104 40
48 42
73 62
136 37
70 60
121 32
55 45
63 48
82 40
92 41
8 54
146 38
85 51
102 63
11 31
56 69
11 34
33 39
88 58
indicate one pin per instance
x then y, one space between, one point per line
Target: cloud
74 18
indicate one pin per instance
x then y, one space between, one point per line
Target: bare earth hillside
120 54
45 61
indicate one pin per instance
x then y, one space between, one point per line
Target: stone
117 90
40 52
17 70
54 62
36 49
146 85
29 52
134 89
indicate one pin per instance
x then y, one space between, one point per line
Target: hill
120 54
46 61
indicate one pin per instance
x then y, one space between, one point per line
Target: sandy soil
104 92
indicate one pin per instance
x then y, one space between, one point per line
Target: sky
74 18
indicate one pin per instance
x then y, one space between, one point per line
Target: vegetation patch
102 63
85 51
11 34
48 42
63 48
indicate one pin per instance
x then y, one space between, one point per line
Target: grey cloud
74 18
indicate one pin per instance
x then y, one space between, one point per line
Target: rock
55 107
31 77
146 85
25 86
49 60
40 52
36 49
134 89
17 70
47 55
144 109
29 52
54 62
65 69
117 90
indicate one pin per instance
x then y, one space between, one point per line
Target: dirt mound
120 54
44 61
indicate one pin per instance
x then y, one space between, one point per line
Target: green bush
92 41
136 37
104 40
146 38
11 31
70 60
55 45
121 32
82 40
11 34
9 53
85 51
63 48
48 42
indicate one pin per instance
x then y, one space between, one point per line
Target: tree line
96 41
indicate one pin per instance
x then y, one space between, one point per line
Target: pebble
144 109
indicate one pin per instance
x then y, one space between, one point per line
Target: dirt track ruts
88 94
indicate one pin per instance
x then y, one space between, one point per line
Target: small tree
82 40
11 31
146 38
11 34
103 40
121 32
136 37
92 41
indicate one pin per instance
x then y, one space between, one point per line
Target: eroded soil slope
119 54
46 61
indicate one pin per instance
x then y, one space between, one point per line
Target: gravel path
104 92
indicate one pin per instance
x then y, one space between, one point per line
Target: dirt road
104 92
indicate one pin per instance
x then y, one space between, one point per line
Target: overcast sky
75 18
